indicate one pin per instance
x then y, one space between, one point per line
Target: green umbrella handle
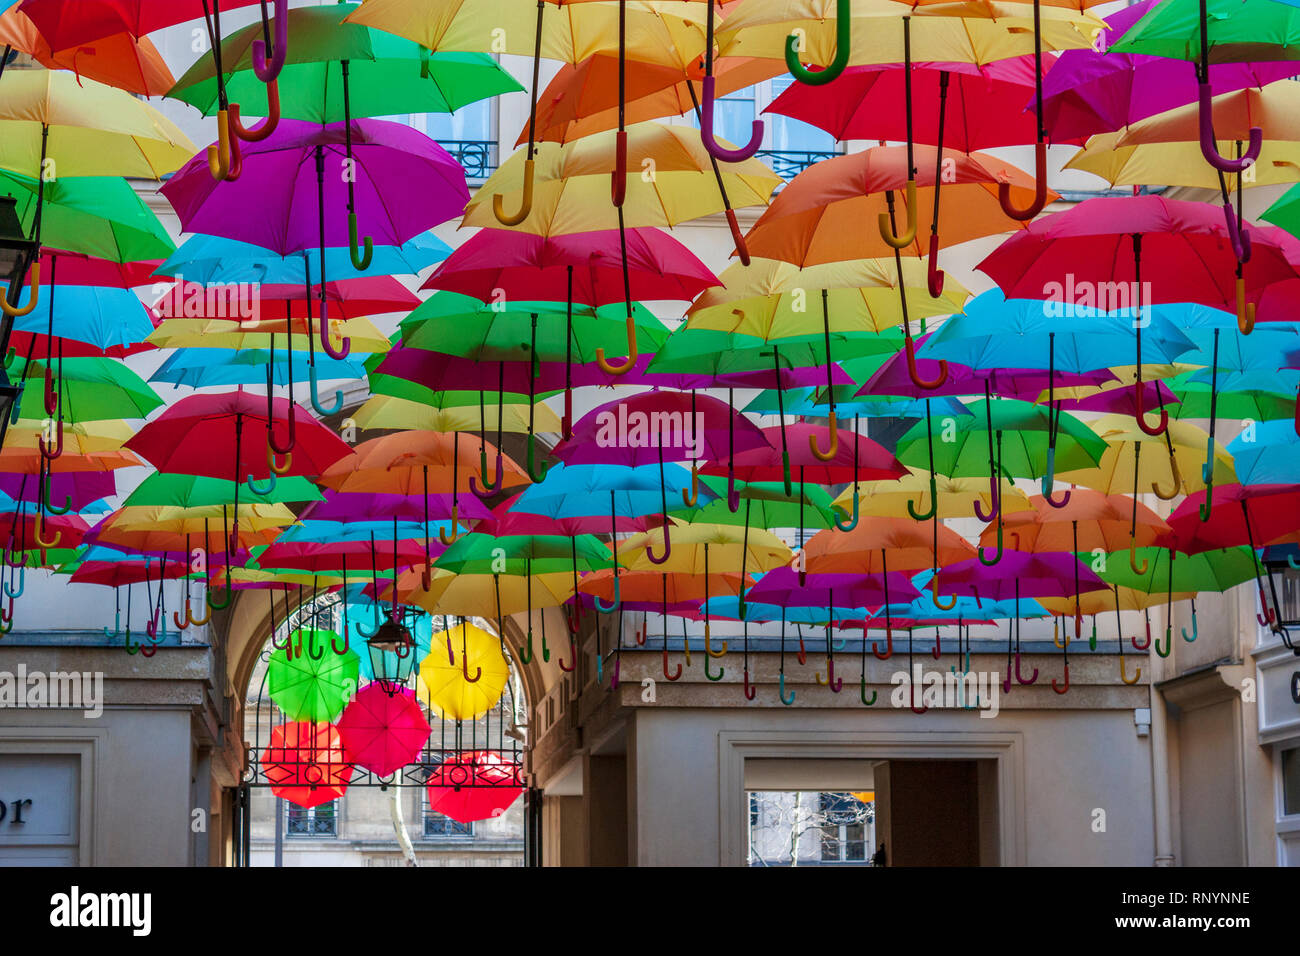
363 253
862 693
843 44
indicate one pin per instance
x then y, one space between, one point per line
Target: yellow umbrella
255 517
1181 163
1163 463
1100 602
388 411
956 496
444 672
728 547
81 438
773 299
232 334
1271 107
93 129
669 180
475 595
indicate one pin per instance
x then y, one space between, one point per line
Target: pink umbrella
1192 252
893 378
861 459
305 763
383 728
475 785
581 267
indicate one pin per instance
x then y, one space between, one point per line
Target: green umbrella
1285 212
461 325
387 74
711 352
1241 31
1256 404
196 491
100 216
766 506
1023 430
515 554
92 389
308 680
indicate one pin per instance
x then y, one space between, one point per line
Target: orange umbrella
882 545
135 539
819 217
28 461
583 99
654 587
305 763
1089 520
120 60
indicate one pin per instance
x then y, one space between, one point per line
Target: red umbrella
475 785
383 731
201 435
581 267
305 763
330 555
861 460
985 104
66 24
1256 515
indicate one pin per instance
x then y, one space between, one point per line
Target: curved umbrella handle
934 596
738 237
274 446
1195 630
526 207
117 628
780 690
1169 640
49 506
843 43
1040 189
714 149
733 493
1123 673
887 229
1245 310
257 133
219 153
708 648
1141 415
455 531
489 489
338 354
606 609
315 397
709 674
267 72
1063 688
261 490
692 498
997 555
1049 479
531 464
1209 148
225 600
862 693
618 179
573 656
1132 560
464 669
934 504
22 581
276 468
363 252
915 375
51 453
41 542
668 676
1238 236
889 645
1020 679
197 621
831 681
668 546
1178 481
181 622
51 393
361 628
835 442
933 274
626 367
853 523
33 283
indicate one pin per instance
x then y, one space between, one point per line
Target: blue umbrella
211 259
1272 457
200 368
100 316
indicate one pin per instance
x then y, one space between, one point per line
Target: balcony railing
788 163
477 156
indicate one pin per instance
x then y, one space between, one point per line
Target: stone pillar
604 798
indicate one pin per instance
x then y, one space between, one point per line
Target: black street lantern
392 655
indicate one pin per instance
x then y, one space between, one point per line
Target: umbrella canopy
474 785
315 683
383 731
453 655
305 763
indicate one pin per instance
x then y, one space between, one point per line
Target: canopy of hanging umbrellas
722 469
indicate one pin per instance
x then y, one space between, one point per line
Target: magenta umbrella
1020 574
1141 250
858 460
383 728
373 506
581 267
402 184
1094 91
80 487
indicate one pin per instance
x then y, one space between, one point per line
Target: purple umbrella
404 184
1091 92
82 487
782 586
1019 574
371 506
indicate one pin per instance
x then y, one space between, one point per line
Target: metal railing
477 156
788 163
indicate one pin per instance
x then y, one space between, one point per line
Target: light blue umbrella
100 316
200 368
211 259
1272 457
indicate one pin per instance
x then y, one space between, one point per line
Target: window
318 821
469 134
1287 582
843 828
1291 782
440 825
789 145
